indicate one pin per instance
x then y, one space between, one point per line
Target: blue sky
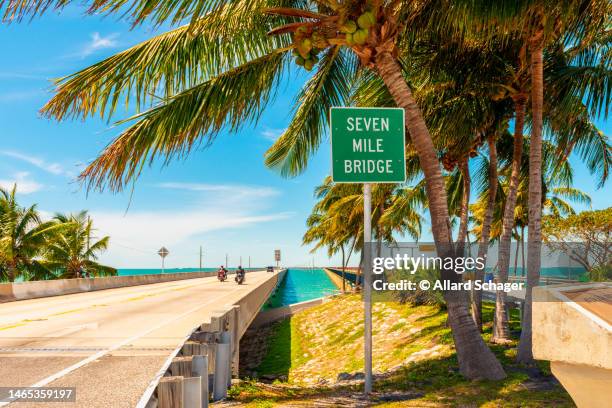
222 197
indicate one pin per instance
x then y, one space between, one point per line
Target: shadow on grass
436 381
278 357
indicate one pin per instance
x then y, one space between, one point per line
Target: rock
344 377
359 376
268 378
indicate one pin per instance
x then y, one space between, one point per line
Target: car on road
270 269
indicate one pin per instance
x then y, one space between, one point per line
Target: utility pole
200 258
240 260
249 261
226 264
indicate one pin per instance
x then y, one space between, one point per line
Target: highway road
108 344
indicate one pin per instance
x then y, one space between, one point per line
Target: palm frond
156 11
172 129
166 64
330 86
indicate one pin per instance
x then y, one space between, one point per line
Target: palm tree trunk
11 271
348 258
523 251
465 202
516 251
485 233
476 360
501 330
343 267
525 354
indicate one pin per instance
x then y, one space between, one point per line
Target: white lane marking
146 396
102 353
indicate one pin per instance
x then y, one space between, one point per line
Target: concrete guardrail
10 292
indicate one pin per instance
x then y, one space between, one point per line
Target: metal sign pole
368 145
367 285
163 252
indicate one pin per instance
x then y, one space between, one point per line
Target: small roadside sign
163 252
368 145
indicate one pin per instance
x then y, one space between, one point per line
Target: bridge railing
203 366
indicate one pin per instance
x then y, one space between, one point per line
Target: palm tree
557 181
73 252
542 23
22 238
336 220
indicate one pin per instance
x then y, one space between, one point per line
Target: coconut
366 20
348 27
349 39
361 36
309 64
307 44
319 40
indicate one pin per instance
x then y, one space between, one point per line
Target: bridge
123 347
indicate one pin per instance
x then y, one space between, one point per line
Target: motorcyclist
222 273
240 274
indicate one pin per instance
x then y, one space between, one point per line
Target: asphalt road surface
108 344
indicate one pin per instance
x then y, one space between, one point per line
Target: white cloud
99 42
136 236
272 134
210 214
24 184
53 168
228 191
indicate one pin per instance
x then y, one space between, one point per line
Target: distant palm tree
73 252
22 238
557 195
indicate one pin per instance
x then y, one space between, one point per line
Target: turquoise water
301 285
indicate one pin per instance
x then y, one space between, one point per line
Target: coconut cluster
307 47
357 33
309 41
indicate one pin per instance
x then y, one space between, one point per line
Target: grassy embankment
414 361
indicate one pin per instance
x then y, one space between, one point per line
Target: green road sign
368 145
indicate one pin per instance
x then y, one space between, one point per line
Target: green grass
278 359
326 340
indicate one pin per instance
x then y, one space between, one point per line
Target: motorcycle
239 277
222 276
